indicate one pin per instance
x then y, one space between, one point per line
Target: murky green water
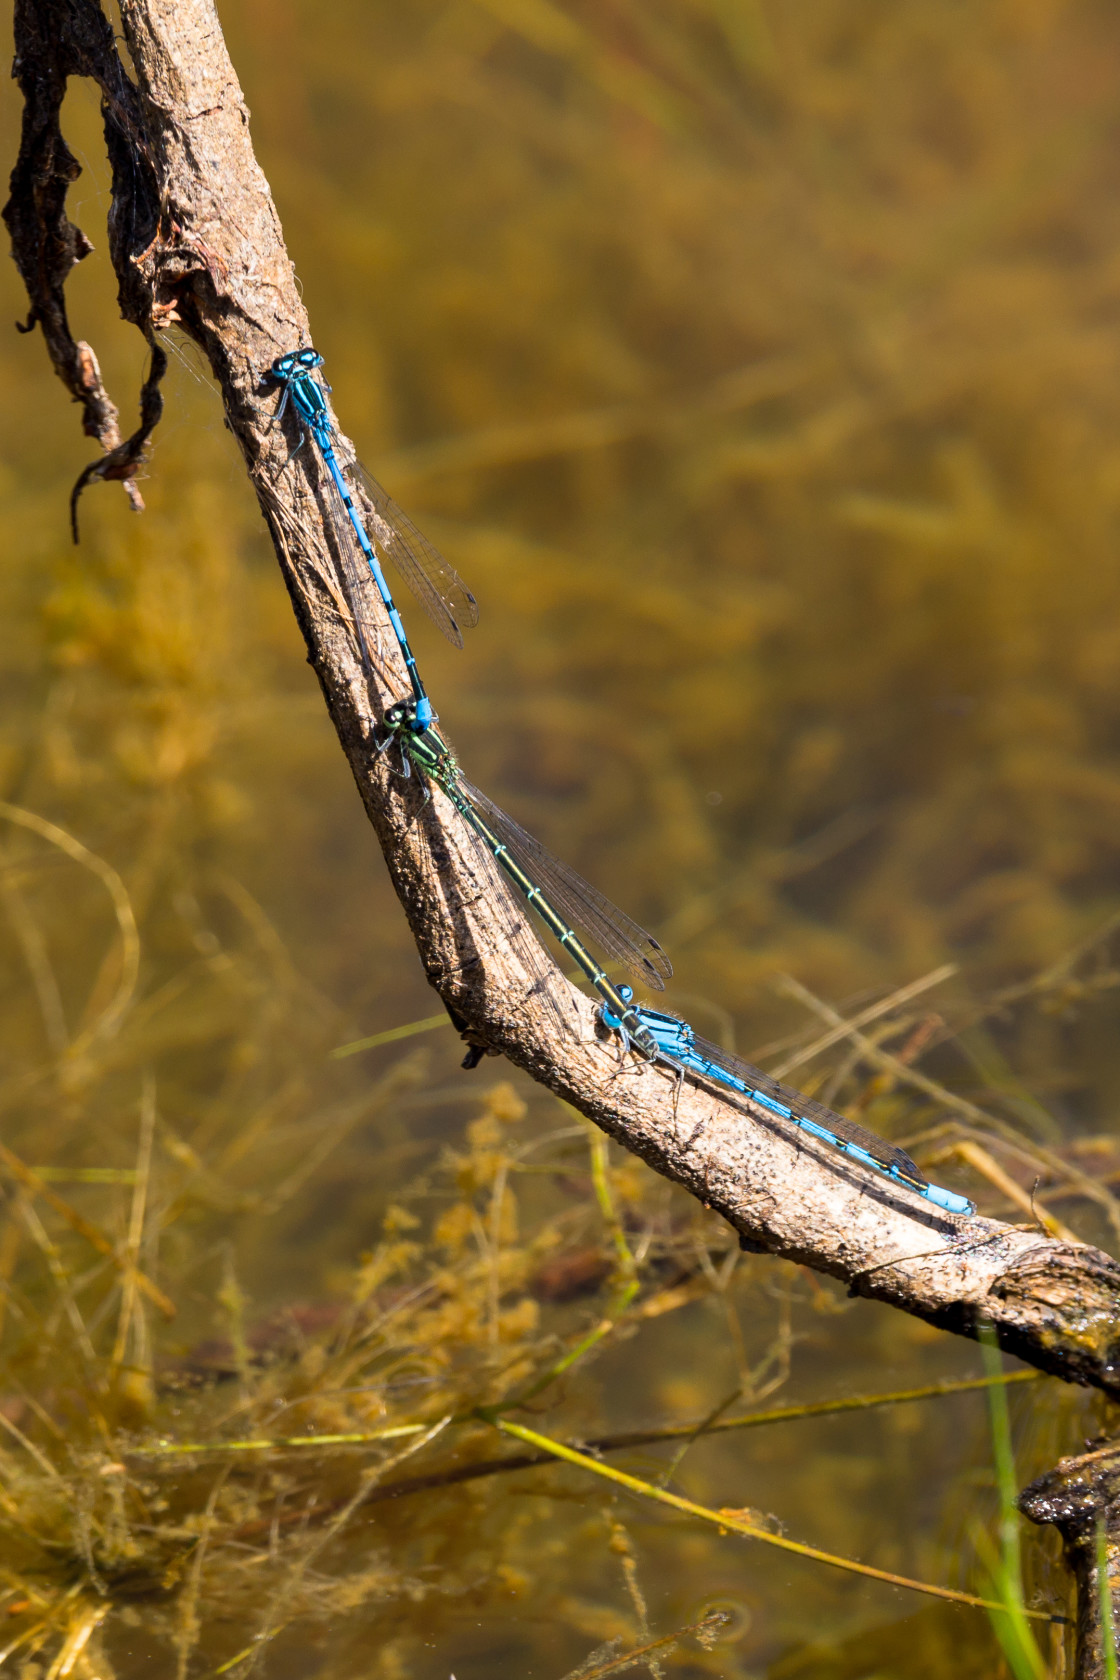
758 366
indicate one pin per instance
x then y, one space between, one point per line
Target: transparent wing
519 929
575 900
358 579
434 582
847 1131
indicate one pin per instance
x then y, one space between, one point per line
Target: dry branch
195 240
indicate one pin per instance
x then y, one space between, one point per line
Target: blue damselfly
435 584
677 1046
562 899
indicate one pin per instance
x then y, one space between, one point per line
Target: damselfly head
401 717
415 718
626 993
296 361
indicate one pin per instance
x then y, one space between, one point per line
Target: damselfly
679 1047
563 900
436 585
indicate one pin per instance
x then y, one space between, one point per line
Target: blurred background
759 367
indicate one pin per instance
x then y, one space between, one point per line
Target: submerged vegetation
758 367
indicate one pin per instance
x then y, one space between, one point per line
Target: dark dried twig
53 44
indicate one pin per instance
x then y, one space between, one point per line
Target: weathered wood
196 241
1081 1497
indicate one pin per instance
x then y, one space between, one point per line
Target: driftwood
195 240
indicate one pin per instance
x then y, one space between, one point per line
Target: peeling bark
54 43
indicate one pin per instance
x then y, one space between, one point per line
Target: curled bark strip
46 245
195 238
54 41
1081 1498
126 458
